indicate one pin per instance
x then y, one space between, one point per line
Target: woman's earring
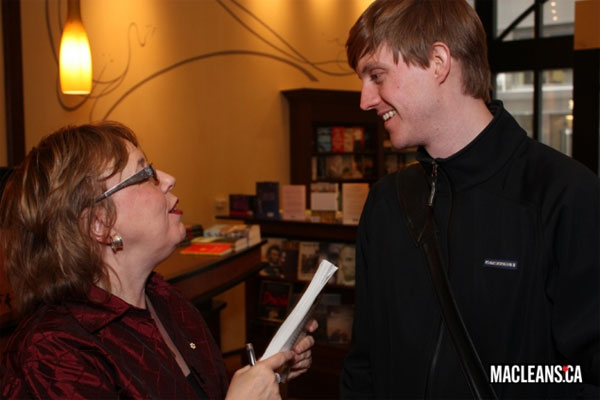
116 243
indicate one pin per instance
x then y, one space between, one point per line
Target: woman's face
147 216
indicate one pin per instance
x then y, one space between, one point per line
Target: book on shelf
240 236
354 196
289 259
293 202
237 243
334 166
324 196
272 258
319 167
323 139
324 201
320 314
359 138
290 329
337 138
242 205
208 249
267 200
274 300
349 139
308 260
346 262
339 324
280 258
216 230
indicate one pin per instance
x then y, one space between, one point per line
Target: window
515 19
531 57
557 109
515 89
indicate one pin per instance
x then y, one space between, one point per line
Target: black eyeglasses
140 176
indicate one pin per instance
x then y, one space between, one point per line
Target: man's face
273 256
404 96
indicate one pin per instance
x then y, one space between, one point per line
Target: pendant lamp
75 57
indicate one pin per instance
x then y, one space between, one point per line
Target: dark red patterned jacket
110 349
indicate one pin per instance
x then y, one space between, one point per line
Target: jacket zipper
433 183
438 345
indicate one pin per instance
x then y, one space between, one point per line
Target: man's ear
441 61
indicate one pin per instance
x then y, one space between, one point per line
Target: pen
251 356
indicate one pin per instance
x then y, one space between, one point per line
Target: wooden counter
201 277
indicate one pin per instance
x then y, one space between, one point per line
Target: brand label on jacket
502 264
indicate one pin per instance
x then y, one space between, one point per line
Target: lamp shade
75 57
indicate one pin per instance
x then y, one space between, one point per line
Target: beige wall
218 124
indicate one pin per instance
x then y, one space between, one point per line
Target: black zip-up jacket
519 235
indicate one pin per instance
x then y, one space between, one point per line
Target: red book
208 249
337 138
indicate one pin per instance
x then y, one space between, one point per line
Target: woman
85 219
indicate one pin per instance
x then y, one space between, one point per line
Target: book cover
323 139
337 139
349 167
215 230
321 314
241 205
359 138
368 167
321 167
272 258
339 324
324 196
293 202
330 251
274 300
208 249
354 196
267 200
346 265
289 261
308 260
334 166
237 243
348 139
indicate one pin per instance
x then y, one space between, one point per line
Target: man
518 225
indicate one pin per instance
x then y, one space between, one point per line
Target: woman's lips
174 210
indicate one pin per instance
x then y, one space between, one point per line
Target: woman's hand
302 351
259 381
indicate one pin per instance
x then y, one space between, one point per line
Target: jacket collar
101 307
485 155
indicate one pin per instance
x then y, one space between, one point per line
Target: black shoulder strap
413 193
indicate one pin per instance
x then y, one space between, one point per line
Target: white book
293 202
290 329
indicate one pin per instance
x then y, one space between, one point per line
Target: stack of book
222 239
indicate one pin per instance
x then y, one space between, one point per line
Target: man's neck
465 118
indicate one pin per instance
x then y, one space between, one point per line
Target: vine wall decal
284 53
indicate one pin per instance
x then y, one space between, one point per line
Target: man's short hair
411 27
